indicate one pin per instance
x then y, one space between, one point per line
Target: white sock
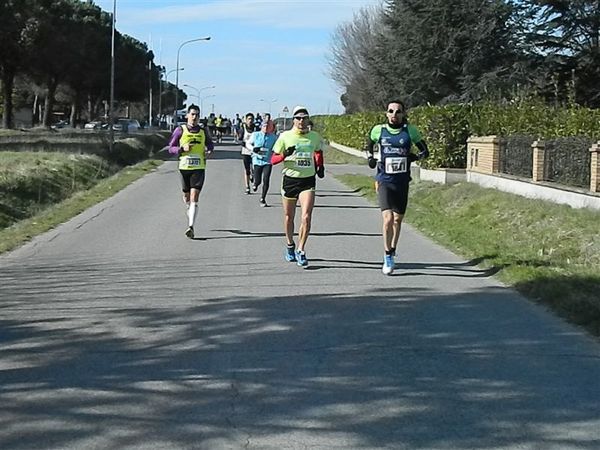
192 214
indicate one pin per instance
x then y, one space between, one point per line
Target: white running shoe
388 265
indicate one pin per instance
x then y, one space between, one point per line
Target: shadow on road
242 234
382 367
405 269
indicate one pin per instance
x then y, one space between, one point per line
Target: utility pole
160 74
150 93
112 82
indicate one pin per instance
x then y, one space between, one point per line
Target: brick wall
539 161
595 169
483 154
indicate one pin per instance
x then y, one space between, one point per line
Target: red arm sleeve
319 159
276 158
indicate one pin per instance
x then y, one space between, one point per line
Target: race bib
193 161
304 159
395 165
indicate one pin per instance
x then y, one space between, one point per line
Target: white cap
300 111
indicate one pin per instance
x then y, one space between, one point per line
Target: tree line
447 51
61 49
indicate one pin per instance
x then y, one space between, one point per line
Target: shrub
447 127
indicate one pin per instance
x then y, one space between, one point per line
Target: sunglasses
300 117
395 111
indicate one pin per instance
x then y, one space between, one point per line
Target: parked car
134 125
126 125
95 125
60 124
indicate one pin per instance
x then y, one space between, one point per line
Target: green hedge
446 128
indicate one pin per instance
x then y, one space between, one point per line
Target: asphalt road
118 332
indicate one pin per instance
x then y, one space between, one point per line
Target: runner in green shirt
300 151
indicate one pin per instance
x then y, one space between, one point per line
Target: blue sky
259 49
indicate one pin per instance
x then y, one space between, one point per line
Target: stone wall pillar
595 167
483 154
539 161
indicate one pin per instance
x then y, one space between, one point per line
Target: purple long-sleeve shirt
175 148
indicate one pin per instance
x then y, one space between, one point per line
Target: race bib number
396 165
304 159
303 162
193 161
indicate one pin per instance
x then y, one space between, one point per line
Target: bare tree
351 45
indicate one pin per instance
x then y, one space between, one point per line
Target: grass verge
335 156
56 214
548 252
33 181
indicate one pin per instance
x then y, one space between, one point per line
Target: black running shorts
291 187
192 179
393 196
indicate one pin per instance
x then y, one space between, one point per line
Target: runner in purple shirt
174 147
193 145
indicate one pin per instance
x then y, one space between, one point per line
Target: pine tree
566 36
444 50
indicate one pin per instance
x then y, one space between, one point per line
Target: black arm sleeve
368 145
423 150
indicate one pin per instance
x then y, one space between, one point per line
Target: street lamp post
149 93
197 97
270 102
160 75
112 80
202 100
207 38
160 93
206 87
196 89
170 72
198 92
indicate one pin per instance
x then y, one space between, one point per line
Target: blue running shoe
388 265
290 253
301 258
